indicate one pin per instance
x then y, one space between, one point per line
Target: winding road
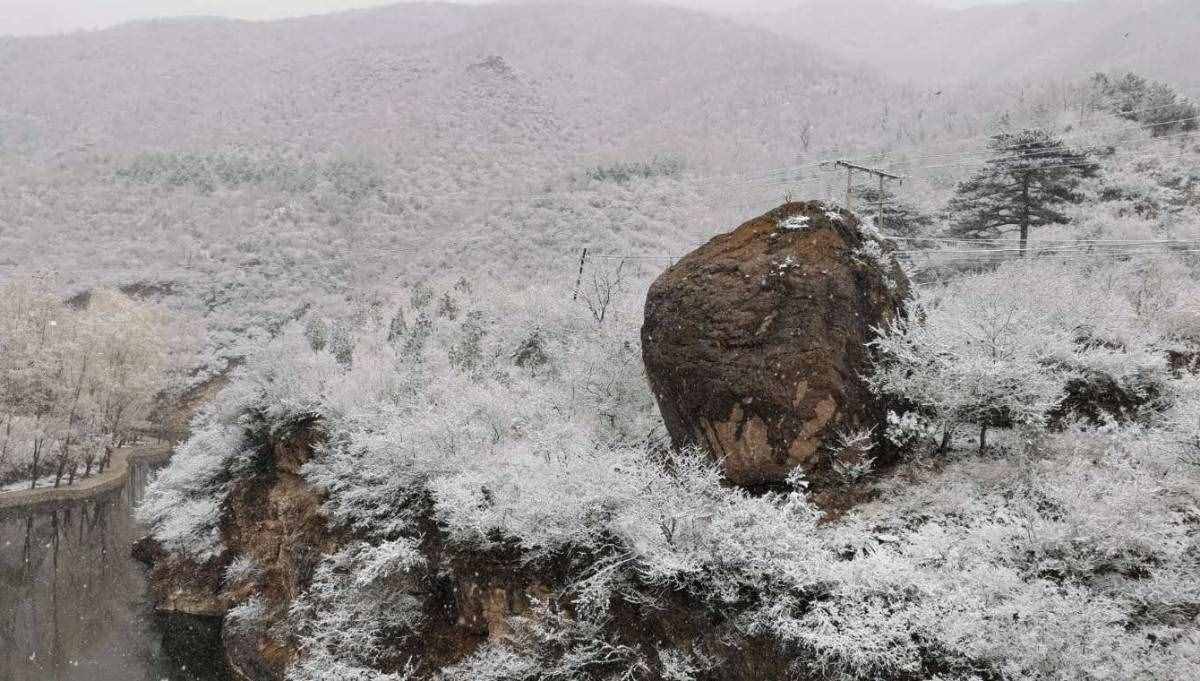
112 478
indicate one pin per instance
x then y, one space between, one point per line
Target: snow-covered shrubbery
183 505
1062 556
348 177
994 350
624 172
352 615
241 261
248 615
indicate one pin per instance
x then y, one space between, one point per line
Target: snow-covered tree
900 218
978 354
1031 176
73 382
1139 99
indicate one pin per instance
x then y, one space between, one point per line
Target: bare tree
604 285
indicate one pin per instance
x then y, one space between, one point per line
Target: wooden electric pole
850 170
579 279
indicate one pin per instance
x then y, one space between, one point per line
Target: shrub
988 351
247 616
242 569
623 172
352 178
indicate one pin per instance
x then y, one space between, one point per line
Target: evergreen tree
1152 103
1165 112
1023 186
900 219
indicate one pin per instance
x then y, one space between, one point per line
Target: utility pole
579 279
850 170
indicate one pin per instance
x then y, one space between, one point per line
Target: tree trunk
37 452
982 437
7 439
1024 213
63 456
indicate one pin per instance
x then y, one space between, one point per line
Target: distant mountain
590 79
914 40
443 81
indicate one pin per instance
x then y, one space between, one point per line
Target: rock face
754 343
274 518
471 599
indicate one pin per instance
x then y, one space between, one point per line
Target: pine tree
1166 112
1030 177
1152 103
900 219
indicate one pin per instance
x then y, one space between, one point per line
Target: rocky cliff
274 521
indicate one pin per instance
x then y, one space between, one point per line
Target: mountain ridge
387 77
909 40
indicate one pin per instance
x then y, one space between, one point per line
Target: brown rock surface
276 519
471 598
754 343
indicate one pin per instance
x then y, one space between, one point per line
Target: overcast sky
33 17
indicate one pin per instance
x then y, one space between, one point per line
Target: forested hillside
353 149
418 78
501 503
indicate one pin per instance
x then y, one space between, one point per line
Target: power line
1135 145
743 178
1063 136
1040 241
1151 154
972 160
983 260
972 154
1046 153
988 136
1061 249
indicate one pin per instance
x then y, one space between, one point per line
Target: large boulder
755 343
